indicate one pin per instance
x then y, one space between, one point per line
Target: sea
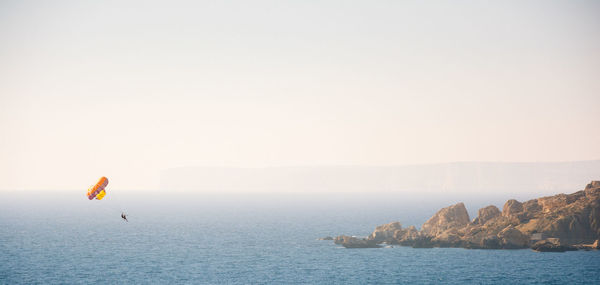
239 238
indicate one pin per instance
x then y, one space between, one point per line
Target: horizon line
384 165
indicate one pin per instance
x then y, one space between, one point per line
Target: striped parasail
97 190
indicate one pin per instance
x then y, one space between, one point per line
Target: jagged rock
406 236
592 193
385 233
574 219
353 242
551 245
455 216
422 242
491 242
595 245
513 238
512 208
449 238
486 214
550 204
593 184
568 227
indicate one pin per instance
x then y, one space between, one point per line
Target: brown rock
491 242
449 238
513 238
531 209
551 204
593 184
592 192
595 245
486 214
512 208
353 242
406 236
385 233
551 245
455 216
573 219
422 242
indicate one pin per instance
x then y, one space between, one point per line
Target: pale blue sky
128 88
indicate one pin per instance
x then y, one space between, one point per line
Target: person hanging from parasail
98 191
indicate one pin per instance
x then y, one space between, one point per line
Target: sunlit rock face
573 219
406 236
513 238
486 214
455 216
385 233
512 208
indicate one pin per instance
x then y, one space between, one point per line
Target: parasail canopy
97 190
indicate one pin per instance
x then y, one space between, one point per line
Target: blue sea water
63 238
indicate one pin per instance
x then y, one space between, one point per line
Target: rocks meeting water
556 223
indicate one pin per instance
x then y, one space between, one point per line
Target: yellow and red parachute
97 190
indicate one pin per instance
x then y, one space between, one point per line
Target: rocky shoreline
556 224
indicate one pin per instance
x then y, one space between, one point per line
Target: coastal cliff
555 223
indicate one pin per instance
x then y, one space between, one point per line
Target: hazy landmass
460 177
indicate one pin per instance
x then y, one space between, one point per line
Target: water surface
241 239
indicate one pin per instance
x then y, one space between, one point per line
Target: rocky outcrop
512 208
565 221
406 236
593 184
354 242
385 233
595 245
449 238
452 217
486 214
552 245
512 238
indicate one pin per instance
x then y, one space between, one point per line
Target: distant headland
472 178
556 223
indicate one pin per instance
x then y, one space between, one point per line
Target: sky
126 89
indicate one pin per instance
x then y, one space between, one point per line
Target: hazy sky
128 88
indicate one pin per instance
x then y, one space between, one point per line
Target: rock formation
405 236
510 237
385 233
486 214
512 208
353 242
551 245
452 217
564 222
